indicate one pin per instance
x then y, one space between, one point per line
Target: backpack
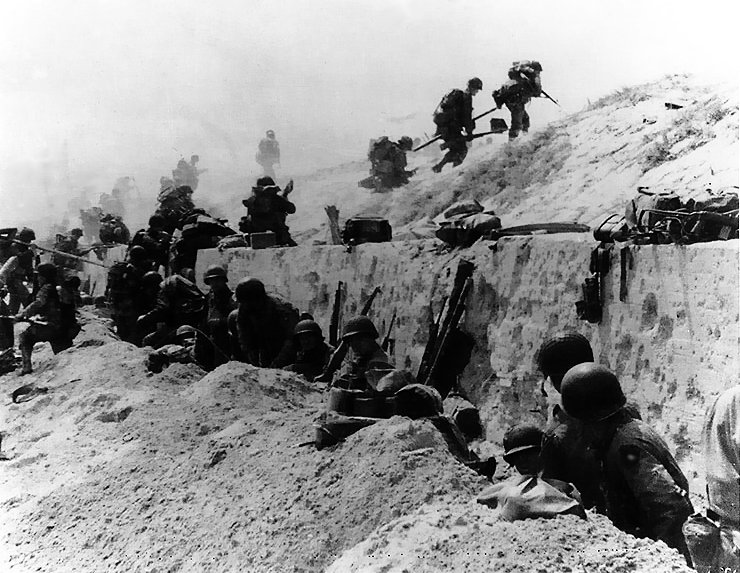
448 107
529 69
119 281
358 230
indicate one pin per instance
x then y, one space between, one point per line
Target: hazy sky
132 85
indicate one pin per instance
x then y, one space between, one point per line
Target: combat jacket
646 492
265 337
46 306
179 302
354 374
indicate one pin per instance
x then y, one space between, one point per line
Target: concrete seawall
673 338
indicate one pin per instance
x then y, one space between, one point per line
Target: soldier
173 205
220 303
268 154
155 241
68 244
721 437
123 293
44 315
388 163
69 300
262 327
113 230
565 453
369 361
313 352
18 269
181 351
453 115
91 223
645 491
180 302
524 83
267 210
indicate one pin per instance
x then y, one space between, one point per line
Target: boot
26 360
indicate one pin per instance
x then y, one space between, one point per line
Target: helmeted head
215 274
47 271
156 222
591 393
137 254
76 233
187 273
560 352
406 143
250 291
308 334
522 446
360 333
265 182
26 235
151 280
475 85
74 282
270 133
194 159
185 333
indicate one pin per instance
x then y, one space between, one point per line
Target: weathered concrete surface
673 340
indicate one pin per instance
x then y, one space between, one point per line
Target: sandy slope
579 168
119 470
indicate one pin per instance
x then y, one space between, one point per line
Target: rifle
432 341
445 145
387 340
438 137
451 325
338 356
335 311
463 273
29 320
68 255
544 93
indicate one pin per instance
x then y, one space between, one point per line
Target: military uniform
219 305
17 269
268 154
69 327
180 302
645 491
173 205
523 84
124 296
267 210
312 362
156 243
454 115
46 308
265 337
354 374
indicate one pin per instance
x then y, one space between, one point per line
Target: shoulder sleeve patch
629 455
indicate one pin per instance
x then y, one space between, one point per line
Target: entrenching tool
437 138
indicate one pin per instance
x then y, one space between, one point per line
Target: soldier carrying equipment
267 210
523 84
388 164
453 115
646 492
268 153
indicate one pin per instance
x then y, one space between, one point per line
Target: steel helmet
591 392
270 133
249 289
47 270
151 279
26 235
520 439
214 271
406 142
359 325
475 83
307 326
185 331
137 253
560 353
76 232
